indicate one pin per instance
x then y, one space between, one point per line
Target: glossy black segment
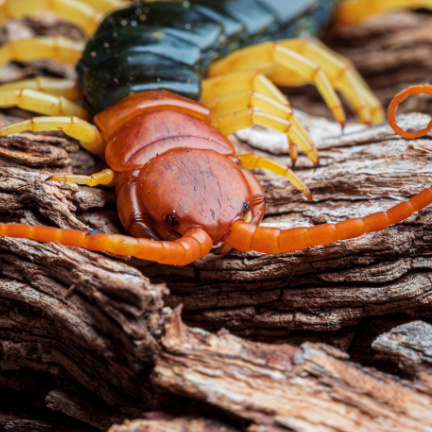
234 31
126 73
151 39
182 17
169 45
313 22
286 11
260 23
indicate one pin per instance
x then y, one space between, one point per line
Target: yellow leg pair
105 177
85 14
47 95
245 99
68 117
299 61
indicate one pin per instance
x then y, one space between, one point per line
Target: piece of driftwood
80 331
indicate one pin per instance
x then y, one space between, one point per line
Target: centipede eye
246 207
171 221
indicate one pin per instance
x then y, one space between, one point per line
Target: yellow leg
105 177
80 14
247 90
251 161
107 6
42 47
293 150
86 133
342 76
66 88
298 61
251 117
41 103
353 11
267 56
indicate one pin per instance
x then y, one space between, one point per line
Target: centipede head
186 188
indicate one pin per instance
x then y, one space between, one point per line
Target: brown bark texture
282 388
88 340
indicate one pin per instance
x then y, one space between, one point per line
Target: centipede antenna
246 237
400 97
193 245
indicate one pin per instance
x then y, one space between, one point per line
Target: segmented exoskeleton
181 188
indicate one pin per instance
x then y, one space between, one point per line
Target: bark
310 388
409 345
173 424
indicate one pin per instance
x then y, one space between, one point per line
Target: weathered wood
410 346
283 388
74 314
181 424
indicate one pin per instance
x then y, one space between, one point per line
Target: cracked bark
284 388
80 332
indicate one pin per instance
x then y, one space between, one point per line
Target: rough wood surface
173 424
410 346
283 388
81 317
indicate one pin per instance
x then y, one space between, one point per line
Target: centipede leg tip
308 195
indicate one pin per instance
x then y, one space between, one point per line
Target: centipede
163 84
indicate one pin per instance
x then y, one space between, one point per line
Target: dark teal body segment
169 45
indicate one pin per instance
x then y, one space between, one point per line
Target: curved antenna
194 244
248 237
400 97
